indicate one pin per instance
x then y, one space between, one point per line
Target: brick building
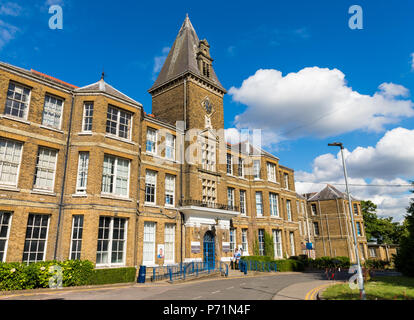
85 173
331 224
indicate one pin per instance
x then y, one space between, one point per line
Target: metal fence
245 266
187 270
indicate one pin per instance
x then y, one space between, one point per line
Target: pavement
237 286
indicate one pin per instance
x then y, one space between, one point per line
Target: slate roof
329 193
102 86
182 58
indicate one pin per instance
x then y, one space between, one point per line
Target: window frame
243 203
26 112
229 156
230 197
240 168
59 127
6 238
256 169
271 173
77 239
277 245
153 152
15 143
35 186
170 147
38 238
171 261
154 243
274 205
147 172
110 240
84 116
257 204
260 241
118 122
245 241
79 189
316 228
170 193
289 210
115 176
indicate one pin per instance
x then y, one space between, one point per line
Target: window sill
79 195
170 264
85 133
51 129
6 116
275 217
159 157
120 139
43 192
104 266
260 217
9 188
152 205
150 264
113 197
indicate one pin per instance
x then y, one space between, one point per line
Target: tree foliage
404 260
382 229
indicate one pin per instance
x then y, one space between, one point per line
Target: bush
116 275
329 262
376 264
281 265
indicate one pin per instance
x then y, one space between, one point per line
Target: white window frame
271 172
22 87
11 163
359 229
229 166
209 191
115 176
61 112
316 224
277 244
257 204
154 141
256 169
79 229
232 233
289 210
118 123
372 253
168 191
154 175
286 179
152 243
230 197
36 186
274 205
355 207
83 166
170 145
292 244
110 240
168 235
38 238
84 117
245 242
6 238
240 166
261 236
314 212
243 201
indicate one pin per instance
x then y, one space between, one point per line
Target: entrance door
208 250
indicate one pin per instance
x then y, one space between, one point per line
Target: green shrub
115 275
376 264
329 262
18 276
281 265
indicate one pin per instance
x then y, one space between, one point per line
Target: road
233 288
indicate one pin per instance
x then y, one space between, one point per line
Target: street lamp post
360 277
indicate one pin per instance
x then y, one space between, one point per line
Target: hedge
19 276
284 265
328 262
377 264
118 275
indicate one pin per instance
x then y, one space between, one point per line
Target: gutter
62 192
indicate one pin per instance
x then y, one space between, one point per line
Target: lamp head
336 144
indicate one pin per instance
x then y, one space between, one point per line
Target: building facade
331 224
85 173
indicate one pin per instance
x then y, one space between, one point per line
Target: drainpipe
62 192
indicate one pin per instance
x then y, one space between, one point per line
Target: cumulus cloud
316 102
378 173
159 62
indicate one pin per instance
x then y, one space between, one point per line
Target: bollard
170 271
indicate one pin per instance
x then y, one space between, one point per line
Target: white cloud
412 61
10 9
159 62
54 2
7 33
386 165
316 102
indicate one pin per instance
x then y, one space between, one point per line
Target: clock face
207 106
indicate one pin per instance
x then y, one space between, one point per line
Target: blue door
208 250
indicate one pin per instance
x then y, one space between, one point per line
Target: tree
404 260
382 229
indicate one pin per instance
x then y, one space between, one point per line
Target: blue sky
127 38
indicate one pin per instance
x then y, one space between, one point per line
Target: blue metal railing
185 270
254 265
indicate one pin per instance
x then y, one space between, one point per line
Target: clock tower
187 88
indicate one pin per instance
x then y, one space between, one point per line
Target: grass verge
379 288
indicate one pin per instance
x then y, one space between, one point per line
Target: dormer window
206 70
